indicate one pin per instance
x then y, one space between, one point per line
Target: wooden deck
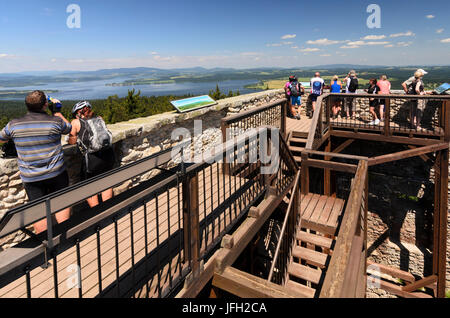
298 126
214 189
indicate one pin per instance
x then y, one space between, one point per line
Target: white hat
422 71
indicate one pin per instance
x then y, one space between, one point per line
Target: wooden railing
346 274
279 269
433 112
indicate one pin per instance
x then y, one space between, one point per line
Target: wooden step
311 257
301 289
304 272
397 290
317 240
299 140
299 134
296 149
298 159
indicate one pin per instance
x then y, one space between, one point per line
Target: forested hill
437 74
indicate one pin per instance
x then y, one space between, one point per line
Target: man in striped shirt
37 137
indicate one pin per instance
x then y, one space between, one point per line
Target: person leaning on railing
385 89
95 143
335 87
37 137
351 86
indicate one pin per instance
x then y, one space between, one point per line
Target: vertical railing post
304 176
443 217
284 107
387 117
226 135
191 221
446 116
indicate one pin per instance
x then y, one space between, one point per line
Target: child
373 102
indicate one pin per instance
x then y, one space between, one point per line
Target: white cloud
374 37
389 45
288 36
439 31
53 60
446 40
273 44
323 42
396 35
154 53
251 53
356 43
404 44
287 43
430 16
377 43
4 55
349 47
294 47
310 49
325 55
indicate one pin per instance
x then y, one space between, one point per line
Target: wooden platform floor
394 126
321 213
301 126
169 216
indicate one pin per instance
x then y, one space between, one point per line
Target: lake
99 90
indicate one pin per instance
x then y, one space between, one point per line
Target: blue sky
241 34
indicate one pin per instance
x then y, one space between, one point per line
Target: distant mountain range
200 74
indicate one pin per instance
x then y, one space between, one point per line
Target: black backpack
294 88
353 85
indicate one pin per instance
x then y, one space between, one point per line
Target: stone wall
134 140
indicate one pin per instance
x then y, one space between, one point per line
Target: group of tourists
345 106
37 138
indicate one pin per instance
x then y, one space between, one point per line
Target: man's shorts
296 100
314 97
36 190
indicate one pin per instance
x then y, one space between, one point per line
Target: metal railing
419 115
282 257
145 241
272 114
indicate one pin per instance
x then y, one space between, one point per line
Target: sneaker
372 122
377 122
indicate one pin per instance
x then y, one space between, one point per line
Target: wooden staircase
314 243
297 143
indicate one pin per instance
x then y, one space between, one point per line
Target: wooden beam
245 285
344 145
424 157
336 166
334 281
387 116
397 290
390 139
394 272
327 172
443 219
335 155
420 283
407 154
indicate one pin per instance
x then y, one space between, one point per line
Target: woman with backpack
95 143
417 106
350 88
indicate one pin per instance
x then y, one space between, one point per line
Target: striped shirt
37 137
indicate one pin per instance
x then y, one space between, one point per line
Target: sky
35 36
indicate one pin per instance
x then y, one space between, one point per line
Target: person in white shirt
317 84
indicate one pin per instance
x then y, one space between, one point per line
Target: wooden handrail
285 223
334 282
315 121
